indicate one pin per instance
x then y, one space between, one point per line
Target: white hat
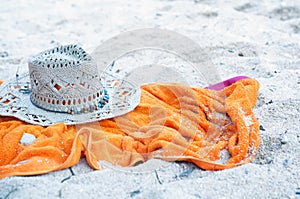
64 85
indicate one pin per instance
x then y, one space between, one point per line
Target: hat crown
65 79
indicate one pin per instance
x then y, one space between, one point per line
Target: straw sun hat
64 85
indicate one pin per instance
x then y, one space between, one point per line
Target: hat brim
15 101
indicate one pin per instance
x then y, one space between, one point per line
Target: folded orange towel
172 122
54 148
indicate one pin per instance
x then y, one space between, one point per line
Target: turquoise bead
105 92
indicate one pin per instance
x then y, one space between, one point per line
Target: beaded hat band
63 85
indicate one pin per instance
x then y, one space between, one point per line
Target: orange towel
172 122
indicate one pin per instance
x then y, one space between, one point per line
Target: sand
260 39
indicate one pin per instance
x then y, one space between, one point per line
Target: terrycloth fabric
172 122
54 148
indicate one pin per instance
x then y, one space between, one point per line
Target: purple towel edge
225 83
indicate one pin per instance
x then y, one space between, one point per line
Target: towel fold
173 122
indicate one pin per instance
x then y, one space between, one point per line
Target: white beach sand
260 39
